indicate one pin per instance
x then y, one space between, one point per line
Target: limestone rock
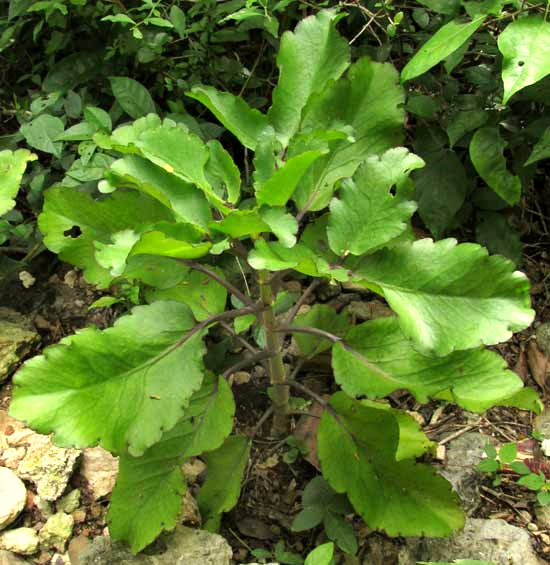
183 546
23 541
13 496
100 470
16 339
56 531
7 558
190 514
463 454
70 502
486 540
48 467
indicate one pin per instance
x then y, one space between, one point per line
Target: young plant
505 459
329 198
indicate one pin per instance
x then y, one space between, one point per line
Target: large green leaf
280 186
449 296
234 113
221 169
357 446
42 133
486 150
202 294
281 223
274 256
447 39
239 223
147 495
367 215
369 100
222 487
71 221
12 167
119 388
440 189
524 45
378 359
541 149
184 199
132 96
308 59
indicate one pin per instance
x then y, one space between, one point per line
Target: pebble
57 530
23 541
13 496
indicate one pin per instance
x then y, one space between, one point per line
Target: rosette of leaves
329 198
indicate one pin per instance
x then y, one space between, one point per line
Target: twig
12 249
310 393
305 295
240 339
460 432
246 362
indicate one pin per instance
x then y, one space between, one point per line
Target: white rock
70 502
100 470
57 530
7 558
49 467
21 540
13 496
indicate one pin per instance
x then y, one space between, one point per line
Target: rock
70 502
12 456
60 559
21 540
57 530
7 558
43 506
16 339
13 496
379 550
48 467
192 469
543 337
190 514
543 517
463 454
76 547
486 540
100 470
183 546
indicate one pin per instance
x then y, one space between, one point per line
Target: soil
57 303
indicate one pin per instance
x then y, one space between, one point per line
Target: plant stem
277 372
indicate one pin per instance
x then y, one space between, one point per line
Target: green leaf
177 152
280 187
341 532
112 256
98 118
520 468
486 153
220 165
524 44
239 223
274 256
495 233
525 399
119 387
222 486
244 122
118 19
449 296
541 149
282 224
441 188
464 121
507 453
532 481
12 167
169 240
178 19
357 446
413 442
447 39
377 359
73 70
543 498
148 492
369 100
79 132
160 22
321 555
202 294
308 59
42 132
367 215
323 317
183 198
132 96
71 221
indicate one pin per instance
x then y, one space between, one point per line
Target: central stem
277 372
